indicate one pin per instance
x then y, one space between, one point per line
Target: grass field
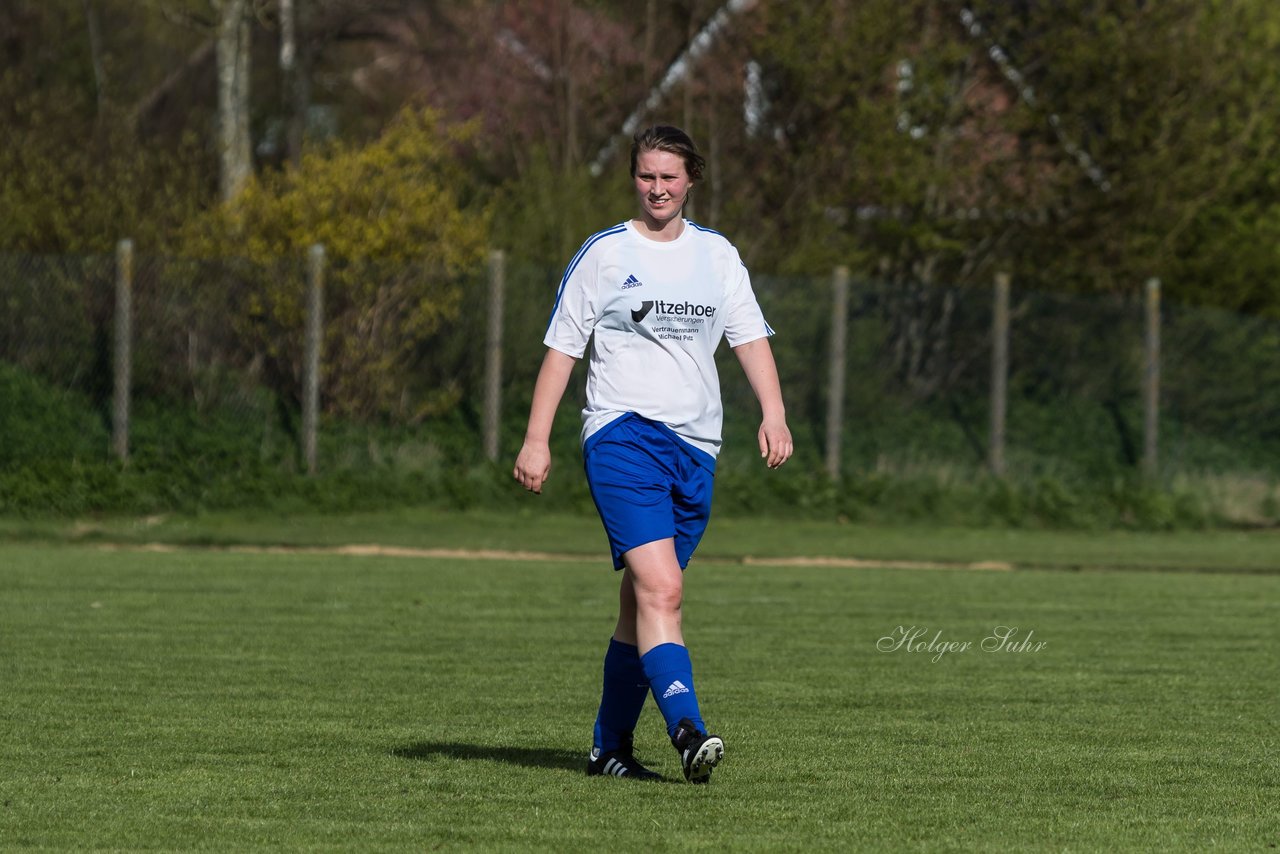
229 701
727 539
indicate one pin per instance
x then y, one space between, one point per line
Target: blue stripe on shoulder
590 241
704 228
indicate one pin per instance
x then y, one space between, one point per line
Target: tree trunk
294 67
234 150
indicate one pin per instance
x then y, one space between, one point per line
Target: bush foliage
403 238
56 460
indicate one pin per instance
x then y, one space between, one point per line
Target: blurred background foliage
1081 145
880 134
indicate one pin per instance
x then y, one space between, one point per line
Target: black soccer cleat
618 763
699 752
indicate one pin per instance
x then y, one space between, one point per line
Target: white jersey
657 311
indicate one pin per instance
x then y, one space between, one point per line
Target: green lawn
230 701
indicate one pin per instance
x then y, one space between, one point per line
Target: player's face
662 183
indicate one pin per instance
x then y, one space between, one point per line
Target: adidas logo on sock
631 282
676 687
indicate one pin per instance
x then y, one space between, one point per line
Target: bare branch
95 50
150 101
182 17
677 73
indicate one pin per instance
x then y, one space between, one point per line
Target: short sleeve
744 321
573 317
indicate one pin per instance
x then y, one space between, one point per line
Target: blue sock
670 675
621 701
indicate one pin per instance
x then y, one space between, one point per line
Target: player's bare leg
652 585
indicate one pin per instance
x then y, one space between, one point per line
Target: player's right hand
533 465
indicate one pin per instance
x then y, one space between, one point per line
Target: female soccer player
653 296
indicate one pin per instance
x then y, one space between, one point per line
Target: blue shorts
648 484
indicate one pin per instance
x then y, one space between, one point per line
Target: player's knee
659 598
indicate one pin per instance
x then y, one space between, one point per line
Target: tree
235 154
404 237
1175 100
74 177
889 149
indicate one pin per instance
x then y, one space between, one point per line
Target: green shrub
54 460
38 421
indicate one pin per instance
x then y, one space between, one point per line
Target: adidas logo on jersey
631 282
676 687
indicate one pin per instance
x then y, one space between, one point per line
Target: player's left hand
775 442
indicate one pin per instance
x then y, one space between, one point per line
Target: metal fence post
999 373
123 351
493 354
838 352
1151 383
311 363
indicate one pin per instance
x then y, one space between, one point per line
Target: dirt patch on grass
866 563
375 550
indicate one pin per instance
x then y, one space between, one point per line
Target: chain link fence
218 376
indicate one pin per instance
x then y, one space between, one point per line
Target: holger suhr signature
917 639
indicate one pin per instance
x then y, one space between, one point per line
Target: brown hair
672 139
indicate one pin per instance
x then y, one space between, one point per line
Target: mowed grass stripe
247 701
728 539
